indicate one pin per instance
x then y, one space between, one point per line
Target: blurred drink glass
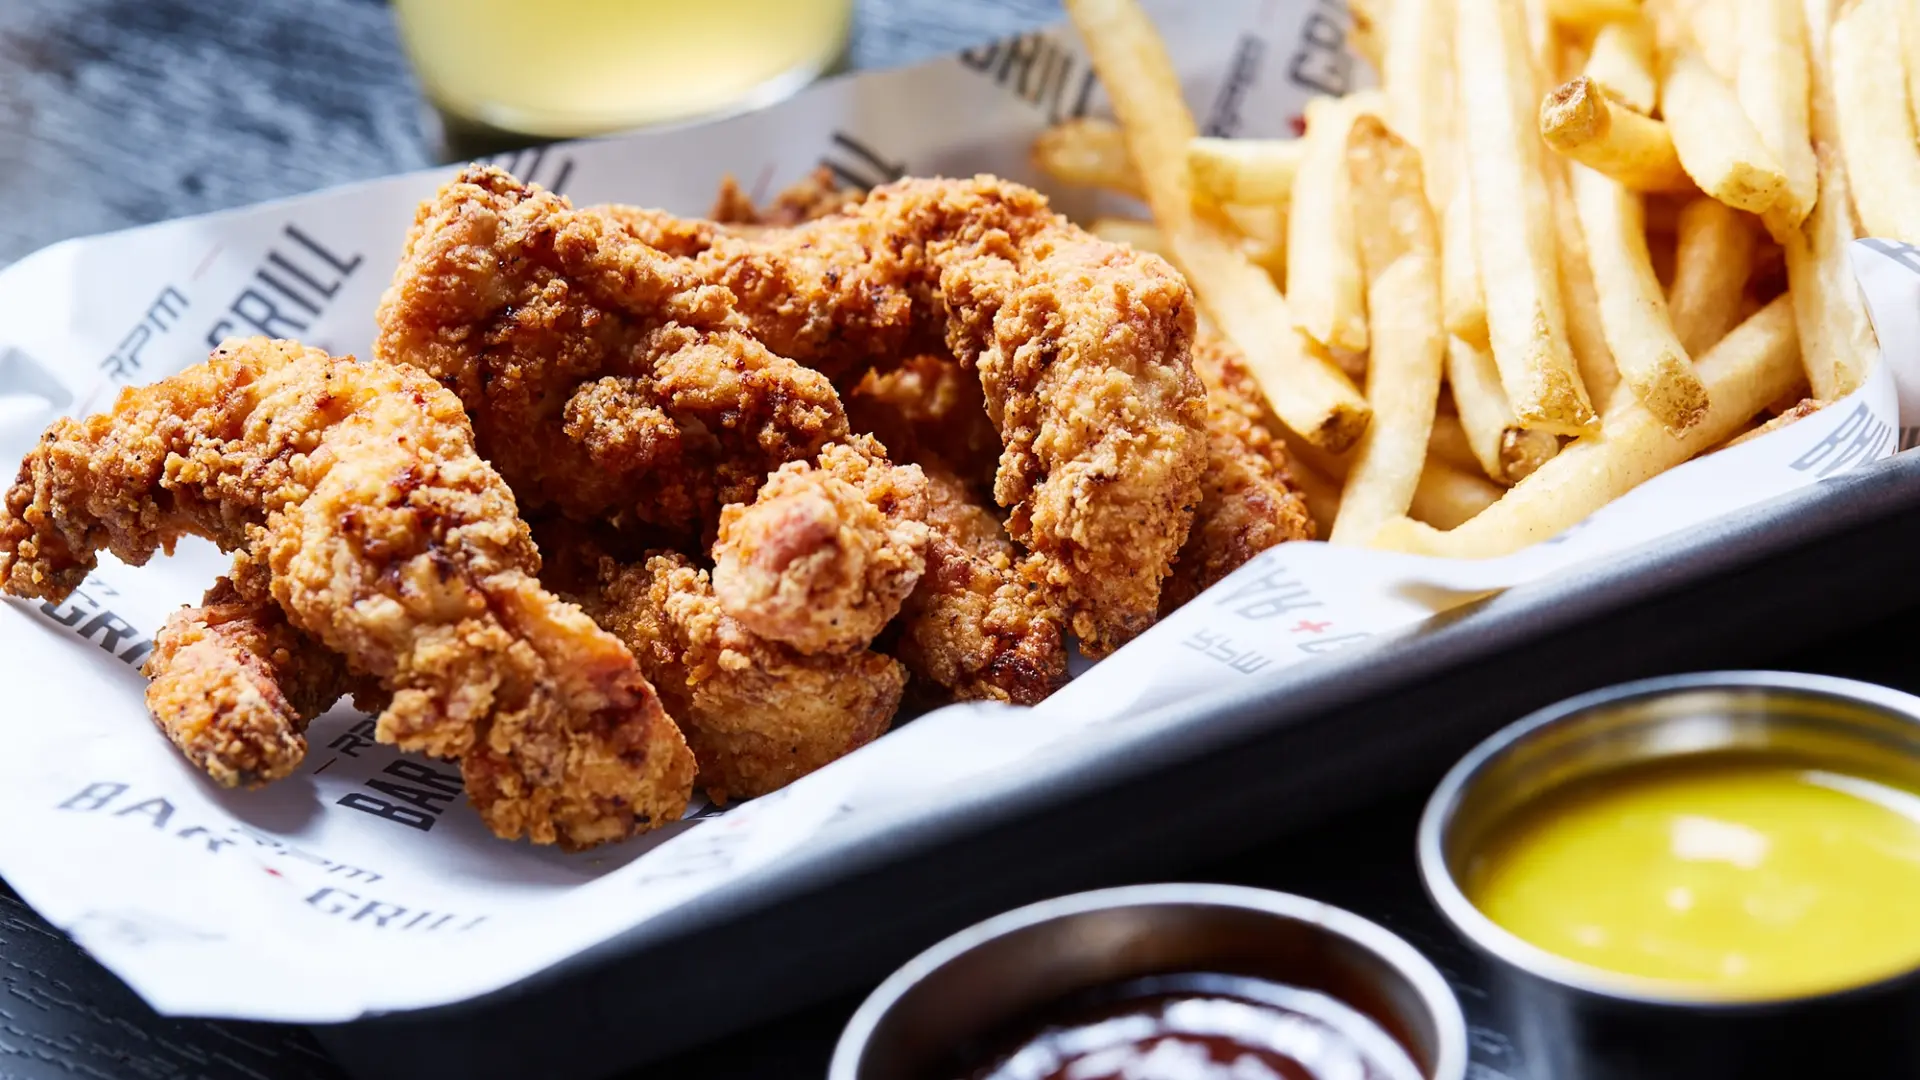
564 68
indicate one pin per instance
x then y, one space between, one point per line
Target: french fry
1449 497
1586 329
1713 253
1307 392
1717 144
1513 221
1365 36
1466 308
1587 16
1325 287
1836 340
1805 408
1633 311
1322 496
1577 120
1143 235
1756 363
1447 444
1621 62
1876 124
1715 31
1088 151
1263 235
1400 254
1910 51
1507 452
1249 171
1416 73
1772 83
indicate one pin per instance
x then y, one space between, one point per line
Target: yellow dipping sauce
1726 876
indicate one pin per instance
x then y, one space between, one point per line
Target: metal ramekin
1006 968
1572 1022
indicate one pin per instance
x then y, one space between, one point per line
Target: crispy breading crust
758 714
386 538
826 552
1081 348
1247 499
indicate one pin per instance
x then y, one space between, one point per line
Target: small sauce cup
951 1012
1574 1021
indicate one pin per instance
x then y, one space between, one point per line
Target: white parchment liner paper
363 883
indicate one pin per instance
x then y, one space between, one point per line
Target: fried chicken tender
234 685
825 554
385 538
1081 348
1247 499
980 624
515 299
815 196
602 376
930 410
759 715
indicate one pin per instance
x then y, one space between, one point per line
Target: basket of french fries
642 535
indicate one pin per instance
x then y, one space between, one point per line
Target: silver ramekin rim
1505 946
1450 1050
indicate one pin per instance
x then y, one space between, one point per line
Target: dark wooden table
120 112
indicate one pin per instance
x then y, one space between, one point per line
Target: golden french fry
1713 254
1633 312
1449 497
1717 144
1263 235
1364 37
1772 83
1249 171
1586 330
1325 288
1448 444
1589 15
1306 390
1876 124
1513 221
1465 307
1621 62
1836 339
1506 451
1577 120
1714 27
1416 74
1805 408
1755 364
1321 494
1910 53
1144 235
1088 151
1400 254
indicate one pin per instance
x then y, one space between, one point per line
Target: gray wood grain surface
116 113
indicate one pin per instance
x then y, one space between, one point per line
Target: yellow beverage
1729 877
583 67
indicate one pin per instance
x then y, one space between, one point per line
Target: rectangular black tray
1238 769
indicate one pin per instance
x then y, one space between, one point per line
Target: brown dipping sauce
1199 1026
